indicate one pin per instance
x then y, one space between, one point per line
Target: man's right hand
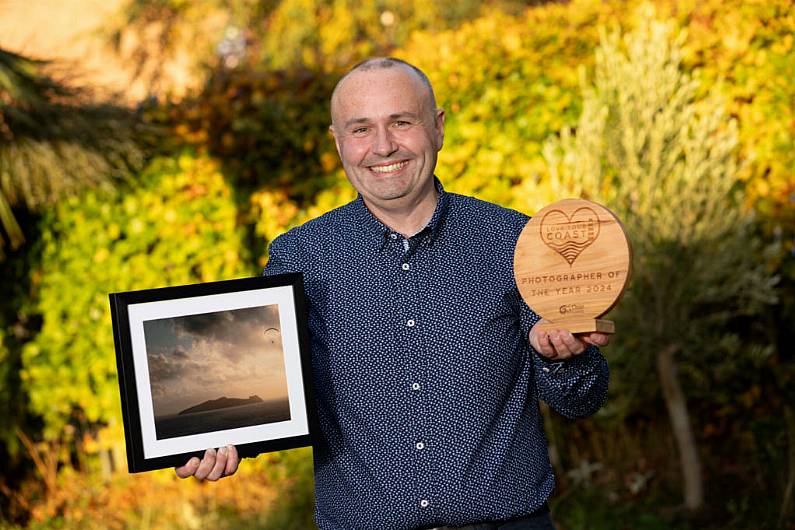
214 465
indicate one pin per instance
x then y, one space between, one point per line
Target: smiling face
388 134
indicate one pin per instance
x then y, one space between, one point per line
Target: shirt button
415 386
420 446
545 369
405 266
424 503
410 323
393 236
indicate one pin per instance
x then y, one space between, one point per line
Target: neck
406 217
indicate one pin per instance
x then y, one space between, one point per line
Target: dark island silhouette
221 403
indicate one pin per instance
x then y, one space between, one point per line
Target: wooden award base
572 264
583 325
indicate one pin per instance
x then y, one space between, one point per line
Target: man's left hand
560 344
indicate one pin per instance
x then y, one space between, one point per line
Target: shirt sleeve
576 387
282 255
527 317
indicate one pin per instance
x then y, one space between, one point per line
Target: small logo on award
568 309
569 236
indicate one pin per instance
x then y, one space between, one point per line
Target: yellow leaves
341 192
762 188
473 130
196 190
738 38
178 224
130 205
136 226
231 257
511 40
114 231
186 162
101 255
329 161
274 212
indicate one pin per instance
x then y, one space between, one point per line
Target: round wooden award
572 264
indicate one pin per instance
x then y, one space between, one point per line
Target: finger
600 339
596 339
220 465
544 345
206 464
561 348
232 461
573 344
188 469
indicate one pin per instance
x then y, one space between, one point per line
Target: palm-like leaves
54 140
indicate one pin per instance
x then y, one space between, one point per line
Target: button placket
416 355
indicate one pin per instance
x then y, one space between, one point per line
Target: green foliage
507 83
296 506
270 129
592 507
7 367
746 50
177 226
665 162
322 35
328 35
508 80
18 325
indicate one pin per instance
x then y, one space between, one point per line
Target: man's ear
439 122
336 138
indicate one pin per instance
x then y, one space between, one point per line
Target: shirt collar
378 232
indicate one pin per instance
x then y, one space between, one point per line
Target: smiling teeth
389 168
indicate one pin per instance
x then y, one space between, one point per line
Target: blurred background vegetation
678 115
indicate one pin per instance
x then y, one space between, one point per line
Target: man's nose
385 143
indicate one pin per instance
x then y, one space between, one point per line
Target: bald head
388 132
384 63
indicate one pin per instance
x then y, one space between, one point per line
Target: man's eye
400 124
359 131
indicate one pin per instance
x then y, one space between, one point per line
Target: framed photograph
206 365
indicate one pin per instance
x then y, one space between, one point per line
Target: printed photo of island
216 371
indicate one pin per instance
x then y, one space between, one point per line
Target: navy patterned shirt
427 389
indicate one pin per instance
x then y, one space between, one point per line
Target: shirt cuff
586 359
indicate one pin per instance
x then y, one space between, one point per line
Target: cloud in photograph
194 358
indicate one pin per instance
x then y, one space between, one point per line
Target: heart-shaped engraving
569 236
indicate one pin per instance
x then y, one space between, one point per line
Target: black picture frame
162 333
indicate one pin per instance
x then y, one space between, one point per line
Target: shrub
178 225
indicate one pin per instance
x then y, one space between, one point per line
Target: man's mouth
389 168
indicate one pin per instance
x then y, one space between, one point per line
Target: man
427 363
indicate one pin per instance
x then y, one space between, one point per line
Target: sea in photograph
176 425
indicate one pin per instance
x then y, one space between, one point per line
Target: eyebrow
397 115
